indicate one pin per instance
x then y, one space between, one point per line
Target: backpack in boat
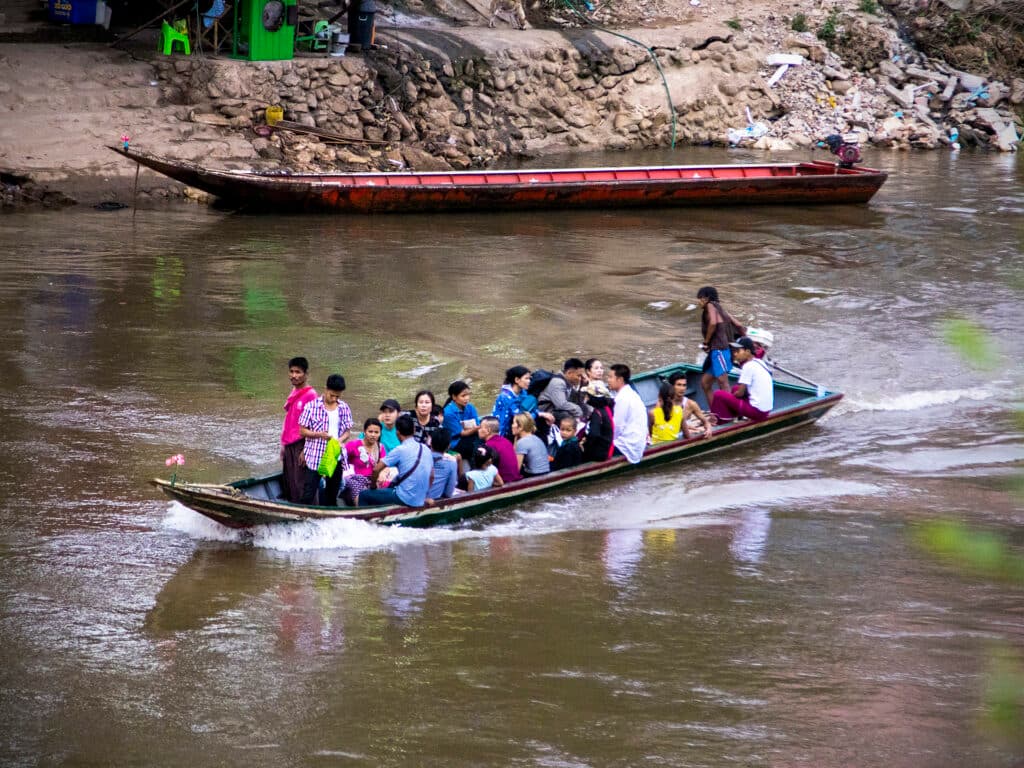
539 381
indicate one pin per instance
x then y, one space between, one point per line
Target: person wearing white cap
753 397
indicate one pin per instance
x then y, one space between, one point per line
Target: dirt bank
436 95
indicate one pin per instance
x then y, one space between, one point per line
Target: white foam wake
911 401
722 496
315 534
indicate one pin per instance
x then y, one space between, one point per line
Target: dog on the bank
510 11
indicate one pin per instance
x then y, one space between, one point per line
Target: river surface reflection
766 606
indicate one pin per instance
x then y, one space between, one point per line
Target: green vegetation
986 555
799 23
868 6
734 23
827 31
971 342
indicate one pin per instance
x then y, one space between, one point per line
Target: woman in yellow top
665 420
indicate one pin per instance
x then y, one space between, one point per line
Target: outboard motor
845 148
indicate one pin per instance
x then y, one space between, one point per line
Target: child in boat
484 474
446 467
665 420
569 453
363 455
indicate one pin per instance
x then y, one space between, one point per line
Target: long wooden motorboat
254 501
681 185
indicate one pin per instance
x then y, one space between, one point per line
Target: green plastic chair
177 34
316 41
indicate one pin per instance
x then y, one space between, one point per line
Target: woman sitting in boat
425 416
665 420
461 419
363 455
531 452
511 400
597 445
484 474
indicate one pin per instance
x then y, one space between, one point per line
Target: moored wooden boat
253 501
682 185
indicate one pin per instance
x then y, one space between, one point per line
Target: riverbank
433 95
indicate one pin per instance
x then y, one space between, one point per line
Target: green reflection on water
168 277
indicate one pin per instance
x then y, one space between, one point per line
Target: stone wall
394 108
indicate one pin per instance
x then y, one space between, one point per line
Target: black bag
539 381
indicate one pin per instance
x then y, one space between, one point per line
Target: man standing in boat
630 415
326 418
293 474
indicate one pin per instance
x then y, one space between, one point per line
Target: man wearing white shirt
630 415
753 397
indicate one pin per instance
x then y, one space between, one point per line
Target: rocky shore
436 97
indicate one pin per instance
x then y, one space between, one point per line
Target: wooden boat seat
648 391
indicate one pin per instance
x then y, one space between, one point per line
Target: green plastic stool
177 34
317 41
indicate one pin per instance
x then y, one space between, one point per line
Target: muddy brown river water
762 607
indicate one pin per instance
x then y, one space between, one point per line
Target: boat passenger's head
523 424
298 369
597 393
679 384
404 426
371 430
440 440
389 412
518 376
459 393
567 427
333 388
618 376
489 426
706 294
482 456
742 349
594 369
424 402
573 370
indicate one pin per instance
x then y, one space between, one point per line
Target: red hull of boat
771 184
